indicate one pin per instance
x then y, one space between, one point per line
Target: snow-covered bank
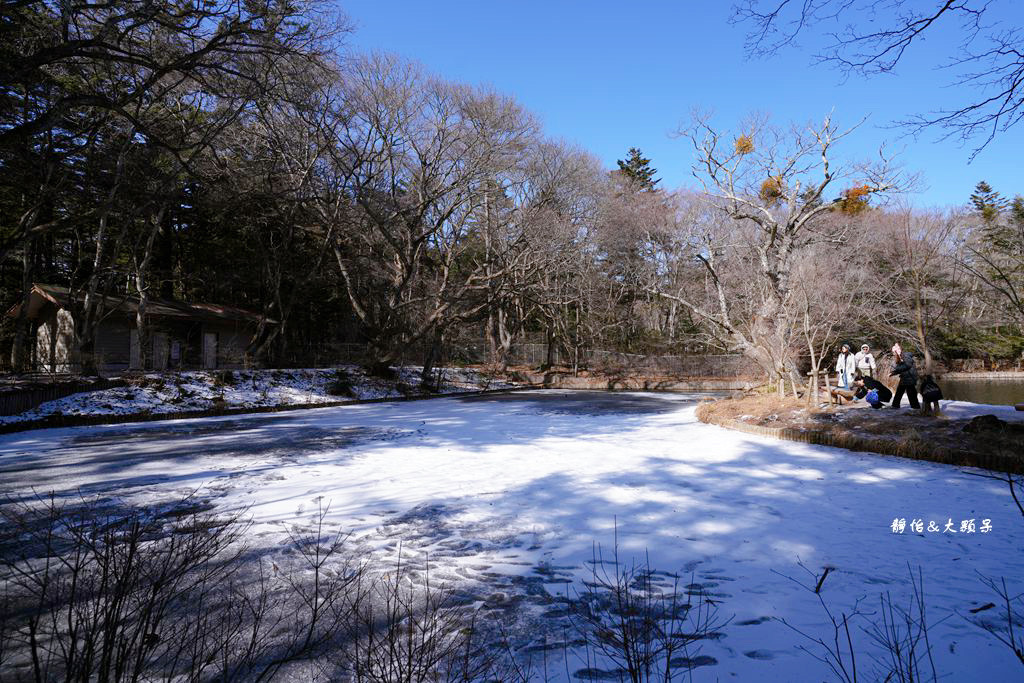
965 410
505 496
181 392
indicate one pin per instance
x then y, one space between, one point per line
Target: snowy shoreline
189 393
965 434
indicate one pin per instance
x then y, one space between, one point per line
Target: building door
160 349
210 350
134 357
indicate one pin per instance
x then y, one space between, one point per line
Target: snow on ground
964 410
507 495
176 392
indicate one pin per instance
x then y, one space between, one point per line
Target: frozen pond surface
507 495
1007 392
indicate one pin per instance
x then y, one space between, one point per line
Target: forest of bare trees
238 153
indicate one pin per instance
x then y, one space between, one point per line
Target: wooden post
812 383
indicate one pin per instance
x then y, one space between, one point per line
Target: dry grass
856 427
760 409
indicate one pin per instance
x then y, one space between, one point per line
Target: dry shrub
771 190
854 200
766 408
643 622
94 592
744 145
912 443
341 384
141 381
399 626
902 652
224 378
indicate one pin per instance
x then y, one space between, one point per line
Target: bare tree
826 297
869 37
771 186
533 240
422 158
916 284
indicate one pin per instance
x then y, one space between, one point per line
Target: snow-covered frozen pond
507 493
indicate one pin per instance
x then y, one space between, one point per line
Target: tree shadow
584 468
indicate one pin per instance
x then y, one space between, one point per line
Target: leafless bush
837 651
636 618
902 634
903 653
95 592
1008 625
402 628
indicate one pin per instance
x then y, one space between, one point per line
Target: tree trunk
549 361
433 355
87 320
492 338
21 351
142 261
919 328
505 337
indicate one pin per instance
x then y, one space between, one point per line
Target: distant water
1006 392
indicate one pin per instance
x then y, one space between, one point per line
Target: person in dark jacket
863 385
931 394
907 370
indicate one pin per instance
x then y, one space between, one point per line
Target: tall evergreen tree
987 202
638 169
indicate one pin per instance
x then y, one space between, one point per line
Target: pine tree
987 202
638 170
1008 235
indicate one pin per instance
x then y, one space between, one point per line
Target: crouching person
931 394
872 391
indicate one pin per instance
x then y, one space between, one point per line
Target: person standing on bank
907 371
846 368
866 365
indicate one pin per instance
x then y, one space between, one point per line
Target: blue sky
612 75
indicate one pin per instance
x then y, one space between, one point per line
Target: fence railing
535 355
18 399
526 354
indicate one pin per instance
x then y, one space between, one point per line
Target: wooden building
181 335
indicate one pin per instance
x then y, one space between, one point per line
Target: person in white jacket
846 368
866 365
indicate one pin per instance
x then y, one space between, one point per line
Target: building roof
160 308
